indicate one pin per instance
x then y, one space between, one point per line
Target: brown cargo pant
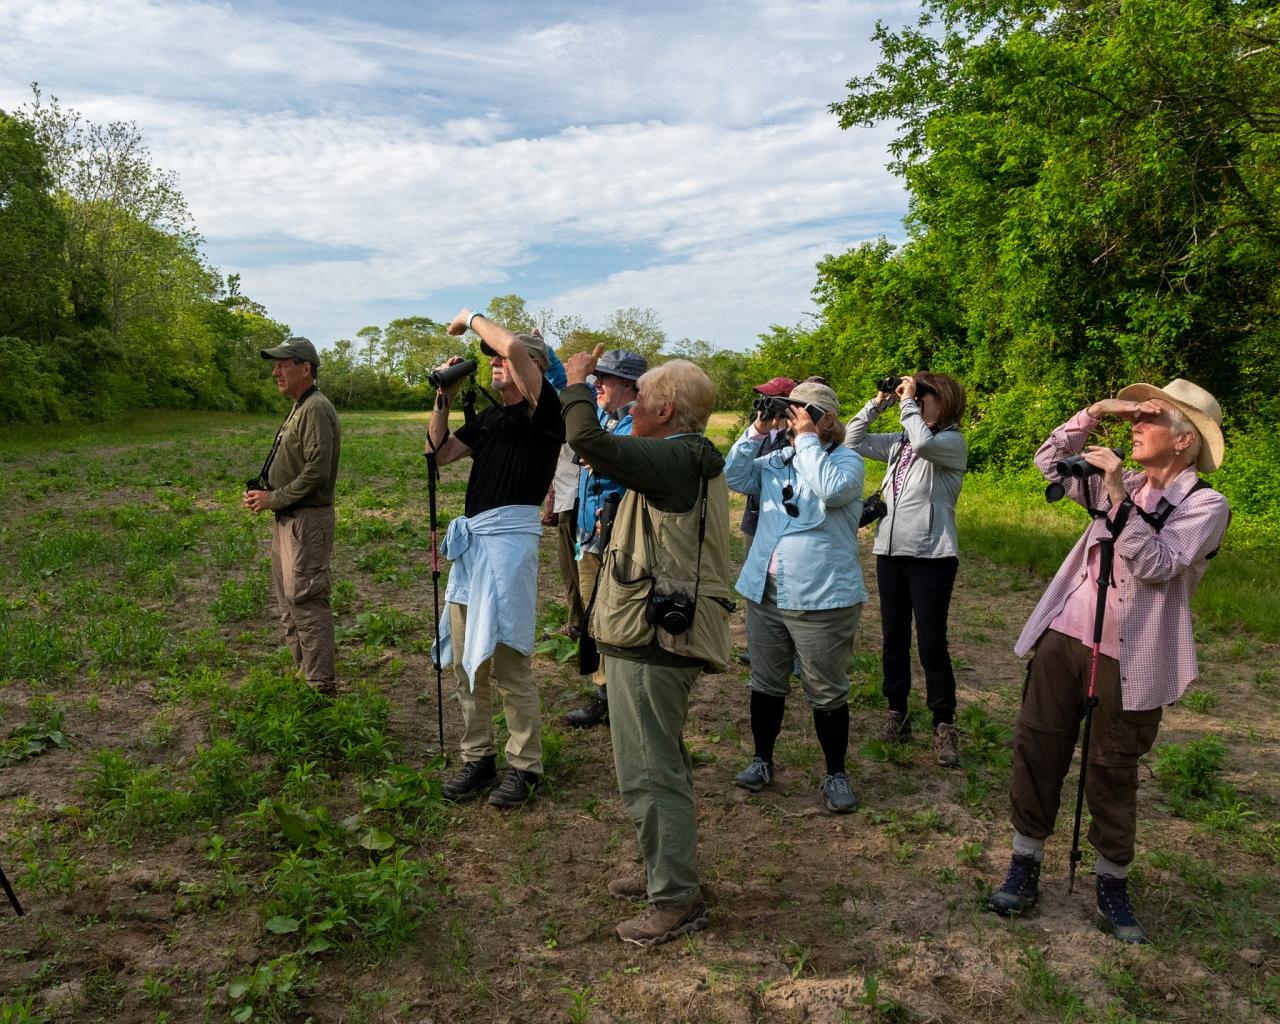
1044 741
301 547
567 527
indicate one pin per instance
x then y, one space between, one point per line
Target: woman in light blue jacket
802 581
916 552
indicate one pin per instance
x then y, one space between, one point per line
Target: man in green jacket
660 618
299 479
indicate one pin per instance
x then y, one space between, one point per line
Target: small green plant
1042 989
42 731
21 1010
238 600
271 991
581 1002
1201 701
970 852
884 1009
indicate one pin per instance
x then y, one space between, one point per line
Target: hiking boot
896 728
755 776
946 744
662 922
516 789
1114 909
328 688
1021 888
840 798
475 778
595 711
744 658
629 887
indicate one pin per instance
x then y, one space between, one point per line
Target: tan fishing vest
626 577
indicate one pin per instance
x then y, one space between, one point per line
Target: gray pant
820 642
301 548
648 705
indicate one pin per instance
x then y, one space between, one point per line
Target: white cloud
458 152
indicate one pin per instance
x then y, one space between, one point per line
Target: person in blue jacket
616 374
802 581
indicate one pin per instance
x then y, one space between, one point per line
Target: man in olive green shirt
300 475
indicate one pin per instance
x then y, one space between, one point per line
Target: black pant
921 586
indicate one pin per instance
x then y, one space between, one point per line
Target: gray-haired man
299 478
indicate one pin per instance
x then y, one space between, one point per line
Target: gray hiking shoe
840 798
946 744
662 922
755 776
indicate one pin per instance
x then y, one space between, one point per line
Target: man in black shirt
492 593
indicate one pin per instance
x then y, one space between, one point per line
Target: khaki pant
588 572
648 705
301 547
511 674
1053 706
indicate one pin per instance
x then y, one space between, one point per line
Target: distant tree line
107 304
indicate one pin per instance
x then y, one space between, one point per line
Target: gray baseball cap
533 344
294 348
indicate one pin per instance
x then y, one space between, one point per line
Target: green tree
1093 200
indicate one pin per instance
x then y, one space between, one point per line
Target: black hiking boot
1021 888
474 779
1115 910
516 790
595 711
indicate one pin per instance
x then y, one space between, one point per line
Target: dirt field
146 906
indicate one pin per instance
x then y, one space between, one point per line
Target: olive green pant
648 705
301 548
511 674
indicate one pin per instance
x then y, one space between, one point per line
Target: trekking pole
1106 553
8 891
433 473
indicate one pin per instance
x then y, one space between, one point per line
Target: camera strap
275 445
650 541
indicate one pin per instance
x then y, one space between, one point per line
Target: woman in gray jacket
916 551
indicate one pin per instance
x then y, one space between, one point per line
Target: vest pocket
618 618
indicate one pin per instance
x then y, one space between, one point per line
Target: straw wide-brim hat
1201 408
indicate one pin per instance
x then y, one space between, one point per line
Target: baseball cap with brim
1201 408
620 362
294 348
533 344
778 387
810 393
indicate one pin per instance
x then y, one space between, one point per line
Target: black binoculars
440 379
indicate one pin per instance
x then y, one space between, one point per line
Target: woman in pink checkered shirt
1164 524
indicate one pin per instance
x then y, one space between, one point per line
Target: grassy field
196 836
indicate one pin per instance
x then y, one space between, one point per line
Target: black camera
672 612
770 407
1078 466
888 385
873 509
257 484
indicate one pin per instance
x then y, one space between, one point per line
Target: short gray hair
1180 423
687 388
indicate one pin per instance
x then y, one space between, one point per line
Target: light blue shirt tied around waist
495 574
818 565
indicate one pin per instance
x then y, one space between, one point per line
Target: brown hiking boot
629 887
896 727
946 744
662 922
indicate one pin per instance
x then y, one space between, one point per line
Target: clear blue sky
359 162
